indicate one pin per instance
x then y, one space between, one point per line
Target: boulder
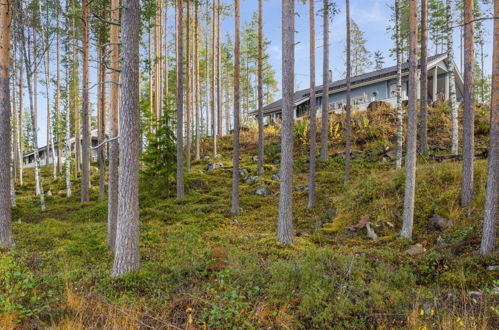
213 166
206 158
251 179
440 223
276 176
243 172
371 233
263 191
415 250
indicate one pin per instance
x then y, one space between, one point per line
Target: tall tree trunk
180 100
260 87
58 93
6 239
349 96
166 58
76 93
20 120
47 99
219 76
213 111
188 90
127 256
490 218
312 111
452 80
34 140
237 109
157 60
285 222
85 116
468 113
410 161
102 116
112 200
197 105
34 98
400 113
151 93
325 83
423 83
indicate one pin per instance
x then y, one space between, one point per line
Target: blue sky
372 16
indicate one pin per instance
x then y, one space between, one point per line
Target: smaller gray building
43 153
380 85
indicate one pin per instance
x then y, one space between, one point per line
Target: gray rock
206 157
243 172
493 268
474 293
440 223
276 176
49 193
276 161
263 191
218 156
391 154
254 158
371 233
212 166
415 250
251 179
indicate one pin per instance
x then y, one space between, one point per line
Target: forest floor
204 268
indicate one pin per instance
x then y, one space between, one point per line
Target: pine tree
285 222
237 106
6 239
127 256
410 162
379 60
360 56
312 111
490 218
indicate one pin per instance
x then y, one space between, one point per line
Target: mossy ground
203 267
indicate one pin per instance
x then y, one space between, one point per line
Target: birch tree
349 95
423 82
410 161
313 114
452 80
85 116
237 108
490 218
6 239
127 256
285 222
325 82
400 113
468 112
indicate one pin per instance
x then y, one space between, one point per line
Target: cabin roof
303 95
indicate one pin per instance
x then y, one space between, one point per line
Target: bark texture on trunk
112 202
6 239
325 83
188 91
490 218
313 110
58 95
102 120
410 160
237 109
400 112
452 81
285 222
180 101
349 96
197 104
423 82
219 76
85 117
212 98
260 88
127 256
468 112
